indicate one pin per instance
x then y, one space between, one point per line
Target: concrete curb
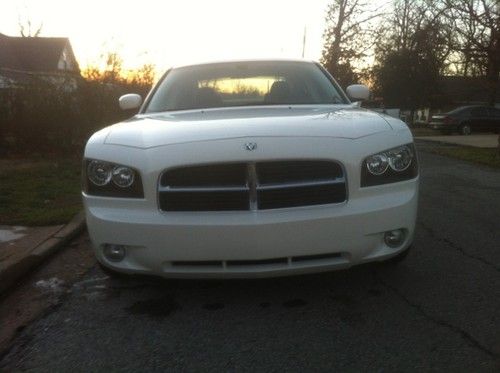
15 267
443 140
442 143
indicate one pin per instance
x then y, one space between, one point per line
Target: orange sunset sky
173 32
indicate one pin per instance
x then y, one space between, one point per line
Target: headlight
123 176
108 179
99 172
377 164
390 166
400 158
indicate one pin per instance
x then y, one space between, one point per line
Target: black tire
465 129
111 272
398 258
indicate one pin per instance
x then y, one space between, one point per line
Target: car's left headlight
101 178
390 166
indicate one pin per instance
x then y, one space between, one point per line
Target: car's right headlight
390 166
101 178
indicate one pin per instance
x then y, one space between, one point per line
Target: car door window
494 113
494 119
479 112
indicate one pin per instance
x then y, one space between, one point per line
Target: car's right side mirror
130 101
358 92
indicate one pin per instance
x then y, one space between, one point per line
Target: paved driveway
439 310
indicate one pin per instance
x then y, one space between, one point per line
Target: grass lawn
478 155
39 192
422 131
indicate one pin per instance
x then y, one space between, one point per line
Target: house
25 58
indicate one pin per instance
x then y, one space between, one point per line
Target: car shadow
159 297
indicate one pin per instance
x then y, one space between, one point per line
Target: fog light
394 238
114 253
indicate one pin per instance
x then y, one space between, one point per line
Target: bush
57 116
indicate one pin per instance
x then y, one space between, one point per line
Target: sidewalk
22 248
476 141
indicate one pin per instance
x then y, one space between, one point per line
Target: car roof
216 62
466 107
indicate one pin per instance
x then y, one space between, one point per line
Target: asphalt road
439 310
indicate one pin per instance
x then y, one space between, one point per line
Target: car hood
147 131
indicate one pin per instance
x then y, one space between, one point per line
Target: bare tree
477 22
144 75
418 26
26 30
113 72
478 26
348 36
110 71
412 53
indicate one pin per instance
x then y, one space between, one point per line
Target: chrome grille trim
203 189
301 186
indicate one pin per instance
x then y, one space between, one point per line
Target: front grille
252 186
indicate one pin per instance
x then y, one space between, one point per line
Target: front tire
398 258
112 273
465 129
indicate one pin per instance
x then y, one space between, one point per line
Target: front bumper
253 243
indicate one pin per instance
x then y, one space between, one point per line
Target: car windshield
244 84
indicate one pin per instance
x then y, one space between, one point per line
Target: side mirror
130 101
358 92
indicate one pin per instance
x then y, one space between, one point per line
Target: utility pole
304 42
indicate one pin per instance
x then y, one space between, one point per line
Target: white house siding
65 62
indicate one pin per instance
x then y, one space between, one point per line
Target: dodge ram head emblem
250 146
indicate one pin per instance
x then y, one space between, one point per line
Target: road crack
460 249
464 334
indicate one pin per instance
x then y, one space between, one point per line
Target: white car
249 169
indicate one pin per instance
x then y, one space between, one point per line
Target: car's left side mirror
358 92
130 101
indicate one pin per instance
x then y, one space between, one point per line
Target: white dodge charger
249 169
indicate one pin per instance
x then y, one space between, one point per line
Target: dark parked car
467 119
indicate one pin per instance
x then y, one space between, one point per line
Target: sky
175 32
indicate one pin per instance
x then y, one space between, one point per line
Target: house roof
33 53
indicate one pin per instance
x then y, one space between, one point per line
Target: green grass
477 155
424 131
39 192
